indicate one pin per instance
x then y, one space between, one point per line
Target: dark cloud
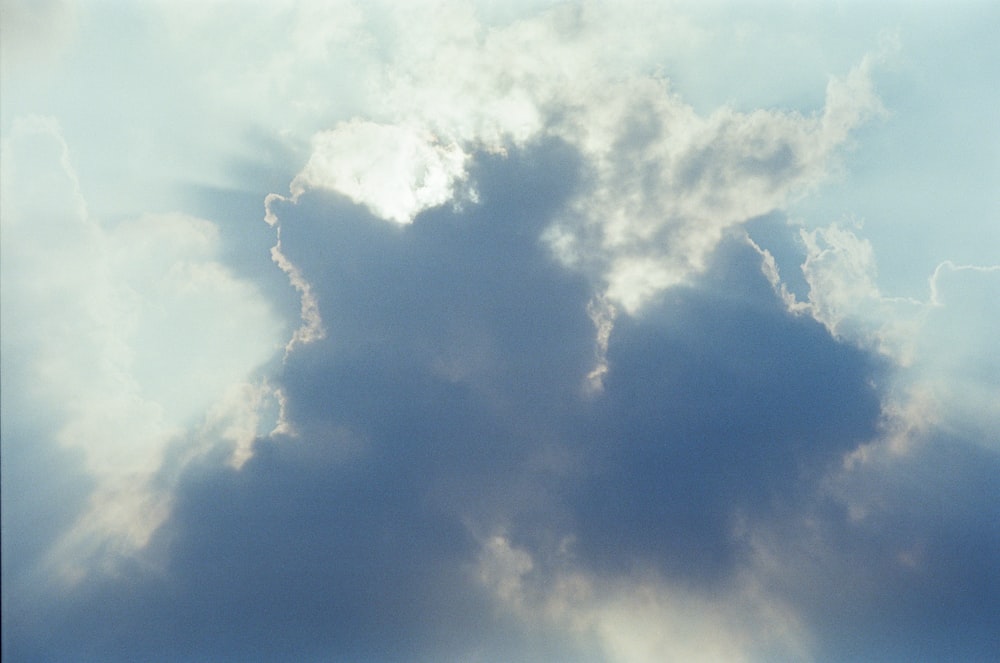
447 401
457 349
911 571
717 402
455 346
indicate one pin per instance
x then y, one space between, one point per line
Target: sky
499 331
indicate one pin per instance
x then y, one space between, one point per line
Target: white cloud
840 269
668 182
396 171
602 313
129 334
641 617
662 181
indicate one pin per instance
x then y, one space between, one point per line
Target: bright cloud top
395 171
663 181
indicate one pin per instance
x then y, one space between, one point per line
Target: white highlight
396 171
311 327
640 617
603 315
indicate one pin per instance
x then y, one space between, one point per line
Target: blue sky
500 331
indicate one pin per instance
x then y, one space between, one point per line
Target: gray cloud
894 559
447 406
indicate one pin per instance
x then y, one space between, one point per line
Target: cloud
873 561
716 403
669 182
122 336
941 345
641 617
959 354
452 487
663 182
568 383
880 538
718 385
395 171
841 272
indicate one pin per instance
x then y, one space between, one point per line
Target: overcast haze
500 331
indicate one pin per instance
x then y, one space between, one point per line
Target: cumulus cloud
578 508
451 491
547 400
669 182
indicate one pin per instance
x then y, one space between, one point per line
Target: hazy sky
500 331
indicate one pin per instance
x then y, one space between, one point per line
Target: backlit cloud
522 331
